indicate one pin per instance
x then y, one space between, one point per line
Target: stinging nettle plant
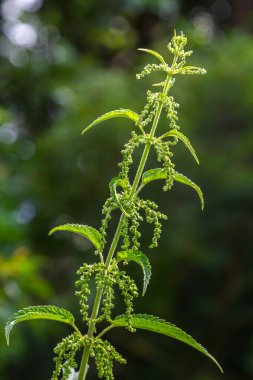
125 195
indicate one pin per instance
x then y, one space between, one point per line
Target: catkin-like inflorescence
170 107
107 279
150 68
65 356
125 235
129 291
135 219
105 354
108 207
164 155
85 273
148 113
127 154
153 216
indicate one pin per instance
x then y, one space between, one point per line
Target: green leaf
114 183
39 312
157 55
181 178
184 139
155 324
153 175
112 114
89 232
140 259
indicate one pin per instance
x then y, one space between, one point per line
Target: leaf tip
7 330
51 232
217 363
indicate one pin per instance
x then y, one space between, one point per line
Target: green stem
105 331
97 301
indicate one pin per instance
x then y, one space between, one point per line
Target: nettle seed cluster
125 196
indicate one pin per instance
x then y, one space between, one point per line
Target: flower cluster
127 154
148 113
108 207
176 47
164 155
129 291
85 272
107 279
105 354
150 68
65 356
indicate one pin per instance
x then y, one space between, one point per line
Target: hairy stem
98 298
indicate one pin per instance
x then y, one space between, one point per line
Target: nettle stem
99 294
134 210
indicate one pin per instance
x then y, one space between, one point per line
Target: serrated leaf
184 139
183 179
89 232
114 183
157 55
112 114
153 175
141 259
39 312
157 325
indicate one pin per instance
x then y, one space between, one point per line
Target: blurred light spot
62 219
26 212
59 54
221 10
22 34
26 150
18 57
53 34
5 47
8 133
10 11
64 96
12 289
81 243
168 9
82 163
204 27
119 25
29 5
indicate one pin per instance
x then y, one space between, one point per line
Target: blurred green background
63 63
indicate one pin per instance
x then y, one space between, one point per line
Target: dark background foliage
64 63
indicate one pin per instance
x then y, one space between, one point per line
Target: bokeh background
63 63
